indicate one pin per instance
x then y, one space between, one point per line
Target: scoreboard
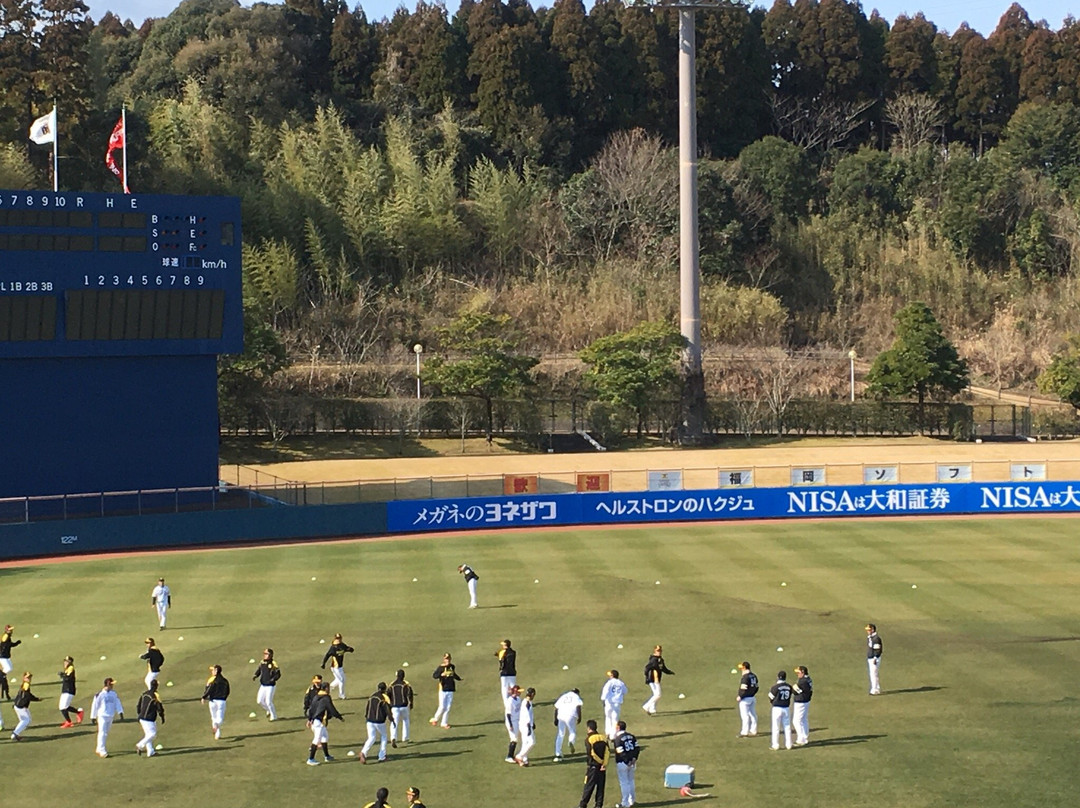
113 310
89 274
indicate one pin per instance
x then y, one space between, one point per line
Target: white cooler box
678 775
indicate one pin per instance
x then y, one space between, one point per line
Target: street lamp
851 360
418 349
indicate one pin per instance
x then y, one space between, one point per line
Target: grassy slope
977 659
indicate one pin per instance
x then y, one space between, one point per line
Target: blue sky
982 15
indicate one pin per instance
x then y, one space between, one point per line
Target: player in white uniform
873 658
512 702
161 598
470 580
612 697
527 727
105 708
567 715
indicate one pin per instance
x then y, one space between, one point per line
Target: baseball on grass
251 661
783 583
351 753
36 636
313 577
179 639
734 671
779 648
404 664
536 580
168 684
159 747
566 667
913 586
682 695
414 580
102 659
619 645
251 715
658 583
468 644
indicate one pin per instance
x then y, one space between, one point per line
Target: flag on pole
43 130
118 140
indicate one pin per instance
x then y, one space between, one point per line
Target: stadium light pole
418 349
693 377
851 360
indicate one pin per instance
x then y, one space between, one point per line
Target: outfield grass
978 706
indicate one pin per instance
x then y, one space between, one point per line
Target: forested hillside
519 161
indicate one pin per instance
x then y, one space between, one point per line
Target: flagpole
123 118
55 152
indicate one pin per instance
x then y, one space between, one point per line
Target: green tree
489 363
243 379
636 368
781 171
865 188
1038 68
980 92
18 52
921 362
1062 377
910 56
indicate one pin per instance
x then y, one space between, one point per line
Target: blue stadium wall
284 522
89 424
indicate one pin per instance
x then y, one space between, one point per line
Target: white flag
43 129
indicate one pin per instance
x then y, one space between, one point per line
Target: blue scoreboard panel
118 275
113 310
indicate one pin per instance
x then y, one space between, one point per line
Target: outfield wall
158 531
292 522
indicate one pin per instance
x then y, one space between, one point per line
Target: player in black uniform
149 709
446 676
873 658
626 755
67 694
401 704
747 701
802 692
319 712
412 794
470 581
6 644
654 672
335 654
376 713
596 760
780 696
268 673
507 657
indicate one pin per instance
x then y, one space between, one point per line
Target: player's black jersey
803 690
873 645
748 685
780 694
626 748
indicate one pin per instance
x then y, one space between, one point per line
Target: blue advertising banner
468 513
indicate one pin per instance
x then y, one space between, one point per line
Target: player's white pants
567 727
217 713
339 680
626 782
800 717
319 735
528 741
650 705
374 729
401 722
781 718
748 714
24 720
151 676
104 724
511 721
505 683
265 699
611 718
149 729
65 700
162 610
873 665
5 664
446 700
472 593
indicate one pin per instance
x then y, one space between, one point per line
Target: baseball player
873 658
381 797
567 715
470 580
216 692
412 794
23 699
512 702
336 656
596 760
6 644
447 678
154 660
313 691
67 693
105 708
377 713
401 704
612 696
626 755
654 672
780 697
802 692
748 688
320 709
507 657
267 674
527 727
161 599
149 709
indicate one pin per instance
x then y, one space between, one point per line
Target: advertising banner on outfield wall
468 513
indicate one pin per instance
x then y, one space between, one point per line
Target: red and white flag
117 140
